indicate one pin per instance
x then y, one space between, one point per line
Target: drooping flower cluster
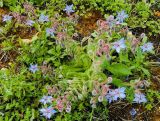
57 103
103 48
18 17
141 83
29 8
99 92
62 104
102 25
60 36
112 22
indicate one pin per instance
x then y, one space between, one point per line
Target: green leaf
123 57
149 106
94 34
118 82
119 69
146 72
130 94
139 58
1 3
105 64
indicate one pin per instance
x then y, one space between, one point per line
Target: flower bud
93 106
110 80
94 92
100 98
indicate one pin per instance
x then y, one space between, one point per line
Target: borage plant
112 62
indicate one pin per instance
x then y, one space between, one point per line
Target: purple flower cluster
99 92
111 21
119 19
113 95
61 104
103 49
48 112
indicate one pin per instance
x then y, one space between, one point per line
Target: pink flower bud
105 89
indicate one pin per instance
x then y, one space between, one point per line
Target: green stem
91 114
154 62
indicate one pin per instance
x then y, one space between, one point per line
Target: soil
25 32
88 23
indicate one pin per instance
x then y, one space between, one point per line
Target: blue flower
30 22
46 99
111 21
119 45
111 96
50 32
43 18
147 47
33 68
121 16
133 112
120 92
7 18
69 9
140 98
48 112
